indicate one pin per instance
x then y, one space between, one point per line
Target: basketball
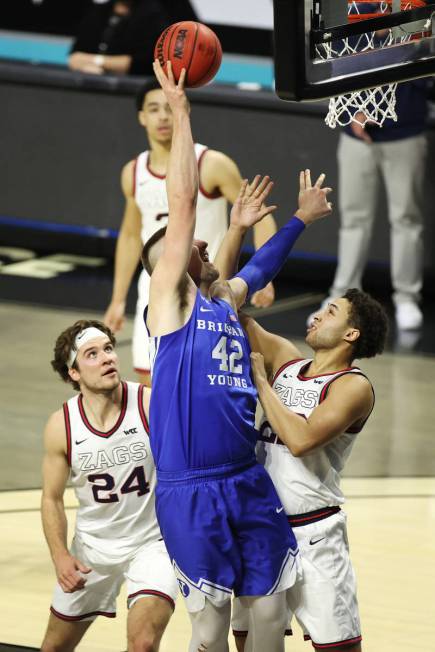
193 46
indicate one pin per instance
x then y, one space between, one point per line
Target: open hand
249 207
174 92
312 200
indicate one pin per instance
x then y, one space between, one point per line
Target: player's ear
74 374
141 118
351 335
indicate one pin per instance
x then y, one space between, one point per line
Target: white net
372 105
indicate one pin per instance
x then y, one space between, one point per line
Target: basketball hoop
372 105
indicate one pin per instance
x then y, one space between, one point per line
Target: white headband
81 339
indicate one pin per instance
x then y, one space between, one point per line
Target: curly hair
65 342
369 317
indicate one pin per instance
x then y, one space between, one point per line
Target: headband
81 339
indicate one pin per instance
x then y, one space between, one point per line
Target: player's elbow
300 449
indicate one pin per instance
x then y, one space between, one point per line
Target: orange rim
404 5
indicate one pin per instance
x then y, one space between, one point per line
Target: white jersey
150 195
151 198
308 483
113 475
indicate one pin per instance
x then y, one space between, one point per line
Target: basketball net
371 105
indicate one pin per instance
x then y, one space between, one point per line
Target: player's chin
111 380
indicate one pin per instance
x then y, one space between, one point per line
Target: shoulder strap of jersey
302 361
141 409
68 432
358 426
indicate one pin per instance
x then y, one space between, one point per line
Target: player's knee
144 642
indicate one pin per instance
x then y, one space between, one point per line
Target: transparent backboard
325 48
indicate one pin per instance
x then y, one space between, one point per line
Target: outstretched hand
312 200
173 91
249 207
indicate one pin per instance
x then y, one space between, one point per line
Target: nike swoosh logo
314 541
205 309
278 510
80 442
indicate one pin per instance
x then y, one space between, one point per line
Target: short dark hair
65 342
147 246
151 85
369 317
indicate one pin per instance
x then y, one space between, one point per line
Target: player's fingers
302 180
66 583
326 191
182 79
158 71
266 192
267 210
243 187
308 183
169 71
261 184
83 568
253 185
320 180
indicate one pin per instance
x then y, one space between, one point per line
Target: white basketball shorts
147 572
324 603
141 359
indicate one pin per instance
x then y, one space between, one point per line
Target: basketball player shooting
219 513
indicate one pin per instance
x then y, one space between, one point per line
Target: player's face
156 117
200 268
97 365
330 325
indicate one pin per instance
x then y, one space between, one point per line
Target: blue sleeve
268 260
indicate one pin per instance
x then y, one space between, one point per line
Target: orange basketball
193 46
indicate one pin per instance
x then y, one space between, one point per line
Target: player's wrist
304 215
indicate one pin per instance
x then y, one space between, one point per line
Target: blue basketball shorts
227 533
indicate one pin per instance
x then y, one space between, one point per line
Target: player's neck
326 361
159 156
102 408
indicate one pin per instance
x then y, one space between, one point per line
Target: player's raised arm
276 350
182 190
268 260
248 209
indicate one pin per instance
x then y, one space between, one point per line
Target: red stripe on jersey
302 377
90 427
153 174
134 177
284 366
216 193
158 594
143 416
68 432
325 646
355 428
108 614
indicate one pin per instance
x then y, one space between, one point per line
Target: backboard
311 62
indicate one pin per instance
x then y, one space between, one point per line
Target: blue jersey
203 399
